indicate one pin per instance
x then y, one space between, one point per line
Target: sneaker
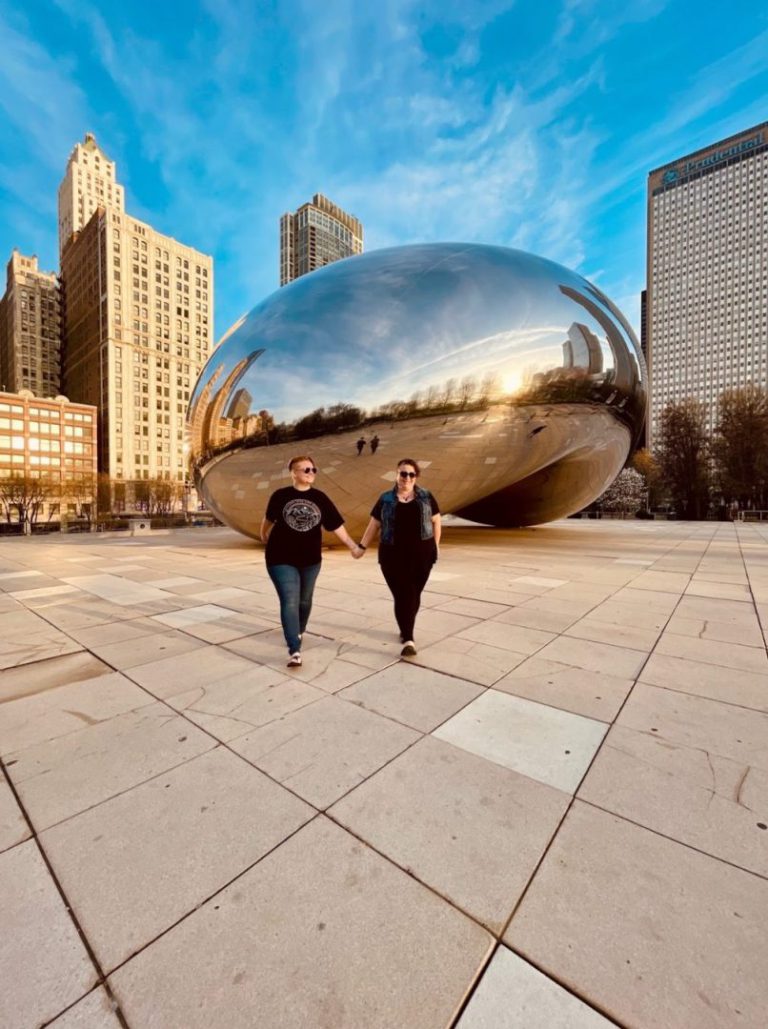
409 650
294 661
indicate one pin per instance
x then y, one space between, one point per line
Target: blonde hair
301 457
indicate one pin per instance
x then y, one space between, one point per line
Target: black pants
406 580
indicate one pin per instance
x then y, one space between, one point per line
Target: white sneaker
294 661
409 650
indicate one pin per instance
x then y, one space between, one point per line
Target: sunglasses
407 475
308 469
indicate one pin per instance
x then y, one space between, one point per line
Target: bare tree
467 389
163 495
682 454
81 491
26 493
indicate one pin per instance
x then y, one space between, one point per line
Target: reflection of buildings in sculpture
625 374
319 233
582 350
240 404
208 424
197 415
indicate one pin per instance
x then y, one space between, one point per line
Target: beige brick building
138 326
317 234
52 440
30 328
90 181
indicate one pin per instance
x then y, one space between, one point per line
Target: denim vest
389 504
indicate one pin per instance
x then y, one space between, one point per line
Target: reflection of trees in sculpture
333 419
560 386
450 398
581 379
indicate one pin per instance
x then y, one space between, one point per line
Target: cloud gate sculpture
518 386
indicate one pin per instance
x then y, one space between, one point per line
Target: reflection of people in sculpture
360 444
292 529
374 444
409 518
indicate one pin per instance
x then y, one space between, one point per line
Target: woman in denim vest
409 518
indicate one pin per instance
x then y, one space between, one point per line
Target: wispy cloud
479 121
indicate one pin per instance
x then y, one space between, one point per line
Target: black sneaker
409 650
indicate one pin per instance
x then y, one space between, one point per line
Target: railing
752 516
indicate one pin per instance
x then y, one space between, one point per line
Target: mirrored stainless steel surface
517 385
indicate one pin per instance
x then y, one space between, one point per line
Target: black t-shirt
408 542
296 537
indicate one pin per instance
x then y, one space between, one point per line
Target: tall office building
317 234
90 181
707 300
138 325
30 329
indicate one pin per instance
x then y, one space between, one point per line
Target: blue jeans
295 587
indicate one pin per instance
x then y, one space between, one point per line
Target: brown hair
410 461
301 457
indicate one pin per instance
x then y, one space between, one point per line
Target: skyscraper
30 329
707 275
90 181
317 234
138 325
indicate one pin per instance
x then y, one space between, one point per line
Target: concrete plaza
553 818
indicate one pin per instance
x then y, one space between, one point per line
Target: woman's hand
358 552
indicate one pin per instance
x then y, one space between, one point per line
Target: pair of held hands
357 552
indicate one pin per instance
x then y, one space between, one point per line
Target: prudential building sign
716 157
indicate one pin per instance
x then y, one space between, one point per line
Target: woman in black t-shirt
292 529
409 518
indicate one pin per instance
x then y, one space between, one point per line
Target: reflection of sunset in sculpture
515 383
512 381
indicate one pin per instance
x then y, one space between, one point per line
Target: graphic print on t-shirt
301 515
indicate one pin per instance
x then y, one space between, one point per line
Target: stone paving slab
472 830
59 778
13 825
96 1011
569 776
44 966
323 932
139 862
513 994
651 931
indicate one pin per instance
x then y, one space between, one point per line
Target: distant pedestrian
360 444
374 444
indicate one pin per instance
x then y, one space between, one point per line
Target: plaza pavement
553 818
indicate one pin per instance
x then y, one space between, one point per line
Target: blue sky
530 124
